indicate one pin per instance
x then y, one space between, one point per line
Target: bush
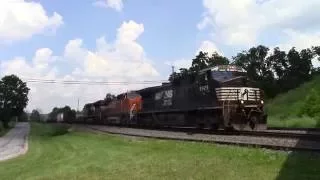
53 129
23 117
311 105
1 126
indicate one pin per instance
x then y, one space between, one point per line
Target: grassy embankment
284 110
58 154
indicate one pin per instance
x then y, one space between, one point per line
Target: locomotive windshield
224 73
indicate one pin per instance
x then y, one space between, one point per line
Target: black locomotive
218 97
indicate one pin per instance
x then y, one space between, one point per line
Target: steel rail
301 145
283 133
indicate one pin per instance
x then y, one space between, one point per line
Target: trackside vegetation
299 107
4 130
56 153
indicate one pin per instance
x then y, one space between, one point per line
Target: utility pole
172 67
78 106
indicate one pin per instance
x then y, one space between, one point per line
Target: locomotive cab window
221 75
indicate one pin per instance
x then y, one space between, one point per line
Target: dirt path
14 143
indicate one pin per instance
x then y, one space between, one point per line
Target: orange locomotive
122 110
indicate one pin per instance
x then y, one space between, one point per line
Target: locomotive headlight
262 102
242 102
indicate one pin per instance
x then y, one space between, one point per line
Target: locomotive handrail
131 110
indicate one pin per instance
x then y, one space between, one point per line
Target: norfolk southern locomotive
218 97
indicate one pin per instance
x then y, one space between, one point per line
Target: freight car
219 97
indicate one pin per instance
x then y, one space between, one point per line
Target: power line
77 82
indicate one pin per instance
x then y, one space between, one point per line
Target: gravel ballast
271 142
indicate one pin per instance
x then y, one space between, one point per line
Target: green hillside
299 107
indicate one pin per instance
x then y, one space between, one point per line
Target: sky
136 40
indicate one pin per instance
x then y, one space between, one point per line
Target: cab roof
231 68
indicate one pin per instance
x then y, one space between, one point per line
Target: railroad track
267 139
302 135
295 129
279 132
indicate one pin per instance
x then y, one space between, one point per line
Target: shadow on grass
301 165
51 129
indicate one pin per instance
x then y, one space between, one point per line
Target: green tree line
275 71
69 114
13 98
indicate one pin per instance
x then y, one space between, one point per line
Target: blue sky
170 28
125 40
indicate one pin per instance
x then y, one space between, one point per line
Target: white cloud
121 60
180 63
240 22
209 47
114 4
21 19
205 46
300 40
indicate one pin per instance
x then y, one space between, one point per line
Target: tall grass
50 130
284 109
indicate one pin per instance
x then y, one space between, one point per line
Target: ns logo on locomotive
218 97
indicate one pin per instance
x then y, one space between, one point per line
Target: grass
293 122
80 155
283 109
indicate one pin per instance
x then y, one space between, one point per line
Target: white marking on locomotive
204 89
166 96
132 114
238 93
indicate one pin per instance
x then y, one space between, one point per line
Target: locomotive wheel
253 122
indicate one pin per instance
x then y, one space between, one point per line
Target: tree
254 61
54 113
35 116
279 62
259 68
68 114
216 60
316 53
275 72
109 97
23 117
199 62
13 98
300 66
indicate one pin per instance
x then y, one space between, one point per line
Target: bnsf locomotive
218 97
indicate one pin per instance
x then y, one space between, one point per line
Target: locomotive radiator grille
238 93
